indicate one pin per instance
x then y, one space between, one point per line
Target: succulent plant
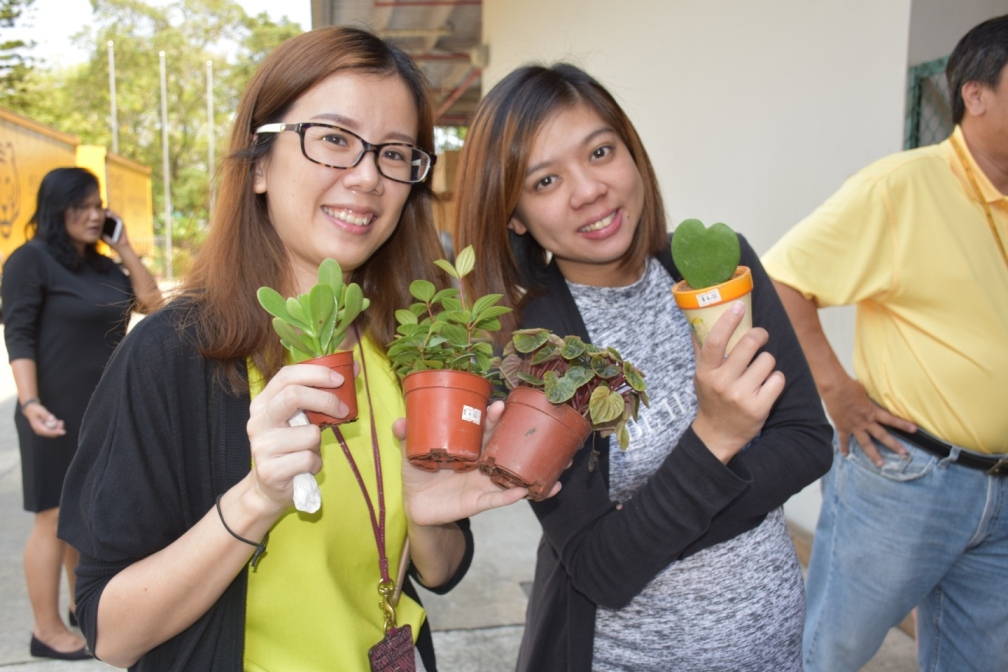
446 329
313 324
596 382
705 256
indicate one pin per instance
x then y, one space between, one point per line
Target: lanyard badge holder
395 651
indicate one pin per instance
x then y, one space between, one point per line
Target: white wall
935 27
752 112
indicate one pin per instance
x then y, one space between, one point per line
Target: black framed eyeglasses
336 147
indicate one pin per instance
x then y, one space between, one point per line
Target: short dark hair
979 57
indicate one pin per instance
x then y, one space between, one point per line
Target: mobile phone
112 229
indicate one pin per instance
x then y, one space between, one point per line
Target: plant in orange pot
443 355
314 324
561 390
708 259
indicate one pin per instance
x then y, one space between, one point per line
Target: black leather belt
994 466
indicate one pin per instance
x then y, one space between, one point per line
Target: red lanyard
386 586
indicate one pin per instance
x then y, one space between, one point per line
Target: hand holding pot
280 451
735 392
438 497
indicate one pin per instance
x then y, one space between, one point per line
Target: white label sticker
707 298
471 414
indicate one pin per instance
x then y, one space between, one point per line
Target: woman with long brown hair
672 555
332 143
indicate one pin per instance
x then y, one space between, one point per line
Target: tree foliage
15 62
77 99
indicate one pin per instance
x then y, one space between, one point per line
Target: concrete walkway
477 626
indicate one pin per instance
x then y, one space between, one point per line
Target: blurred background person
66 307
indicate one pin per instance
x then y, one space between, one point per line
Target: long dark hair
492 167
243 251
63 189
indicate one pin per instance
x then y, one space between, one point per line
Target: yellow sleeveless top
313 600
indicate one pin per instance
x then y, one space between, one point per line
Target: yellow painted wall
29 150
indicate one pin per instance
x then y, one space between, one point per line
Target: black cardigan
593 554
161 439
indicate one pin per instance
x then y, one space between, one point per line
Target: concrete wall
753 112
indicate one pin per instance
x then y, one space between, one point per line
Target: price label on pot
470 414
709 298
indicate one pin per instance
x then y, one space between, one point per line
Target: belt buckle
1000 468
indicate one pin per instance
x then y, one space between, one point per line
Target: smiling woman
187 461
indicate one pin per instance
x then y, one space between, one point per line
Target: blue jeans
923 532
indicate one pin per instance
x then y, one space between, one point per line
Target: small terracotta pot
445 416
533 442
703 307
342 363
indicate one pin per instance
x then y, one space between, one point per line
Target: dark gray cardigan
594 554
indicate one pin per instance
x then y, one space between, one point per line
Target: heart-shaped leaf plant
705 256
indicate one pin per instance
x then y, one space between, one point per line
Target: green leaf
451 303
624 438
323 303
405 317
604 367
527 340
447 268
634 377
705 256
545 353
445 293
292 338
422 290
273 303
573 348
331 275
465 261
491 312
604 405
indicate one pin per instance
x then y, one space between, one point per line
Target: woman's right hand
279 451
735 392
42 421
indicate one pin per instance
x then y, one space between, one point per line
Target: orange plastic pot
445 416
703 307
533 442
342 363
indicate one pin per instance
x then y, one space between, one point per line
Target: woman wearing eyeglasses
187 458
66 307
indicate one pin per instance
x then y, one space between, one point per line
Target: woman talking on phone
66 307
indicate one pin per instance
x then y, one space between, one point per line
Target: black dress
68 322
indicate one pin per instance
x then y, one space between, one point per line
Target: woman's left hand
438 497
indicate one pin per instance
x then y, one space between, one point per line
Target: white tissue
307 497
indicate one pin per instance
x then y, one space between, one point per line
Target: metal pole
112 95
164 166
210 130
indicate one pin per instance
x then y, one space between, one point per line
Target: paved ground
477 627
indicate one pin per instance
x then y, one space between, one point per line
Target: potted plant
444 358
312 325
708 259
561 390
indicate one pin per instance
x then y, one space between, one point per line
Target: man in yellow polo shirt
915 508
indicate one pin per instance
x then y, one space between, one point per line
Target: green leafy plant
705 256
596 382
446 329
313 324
